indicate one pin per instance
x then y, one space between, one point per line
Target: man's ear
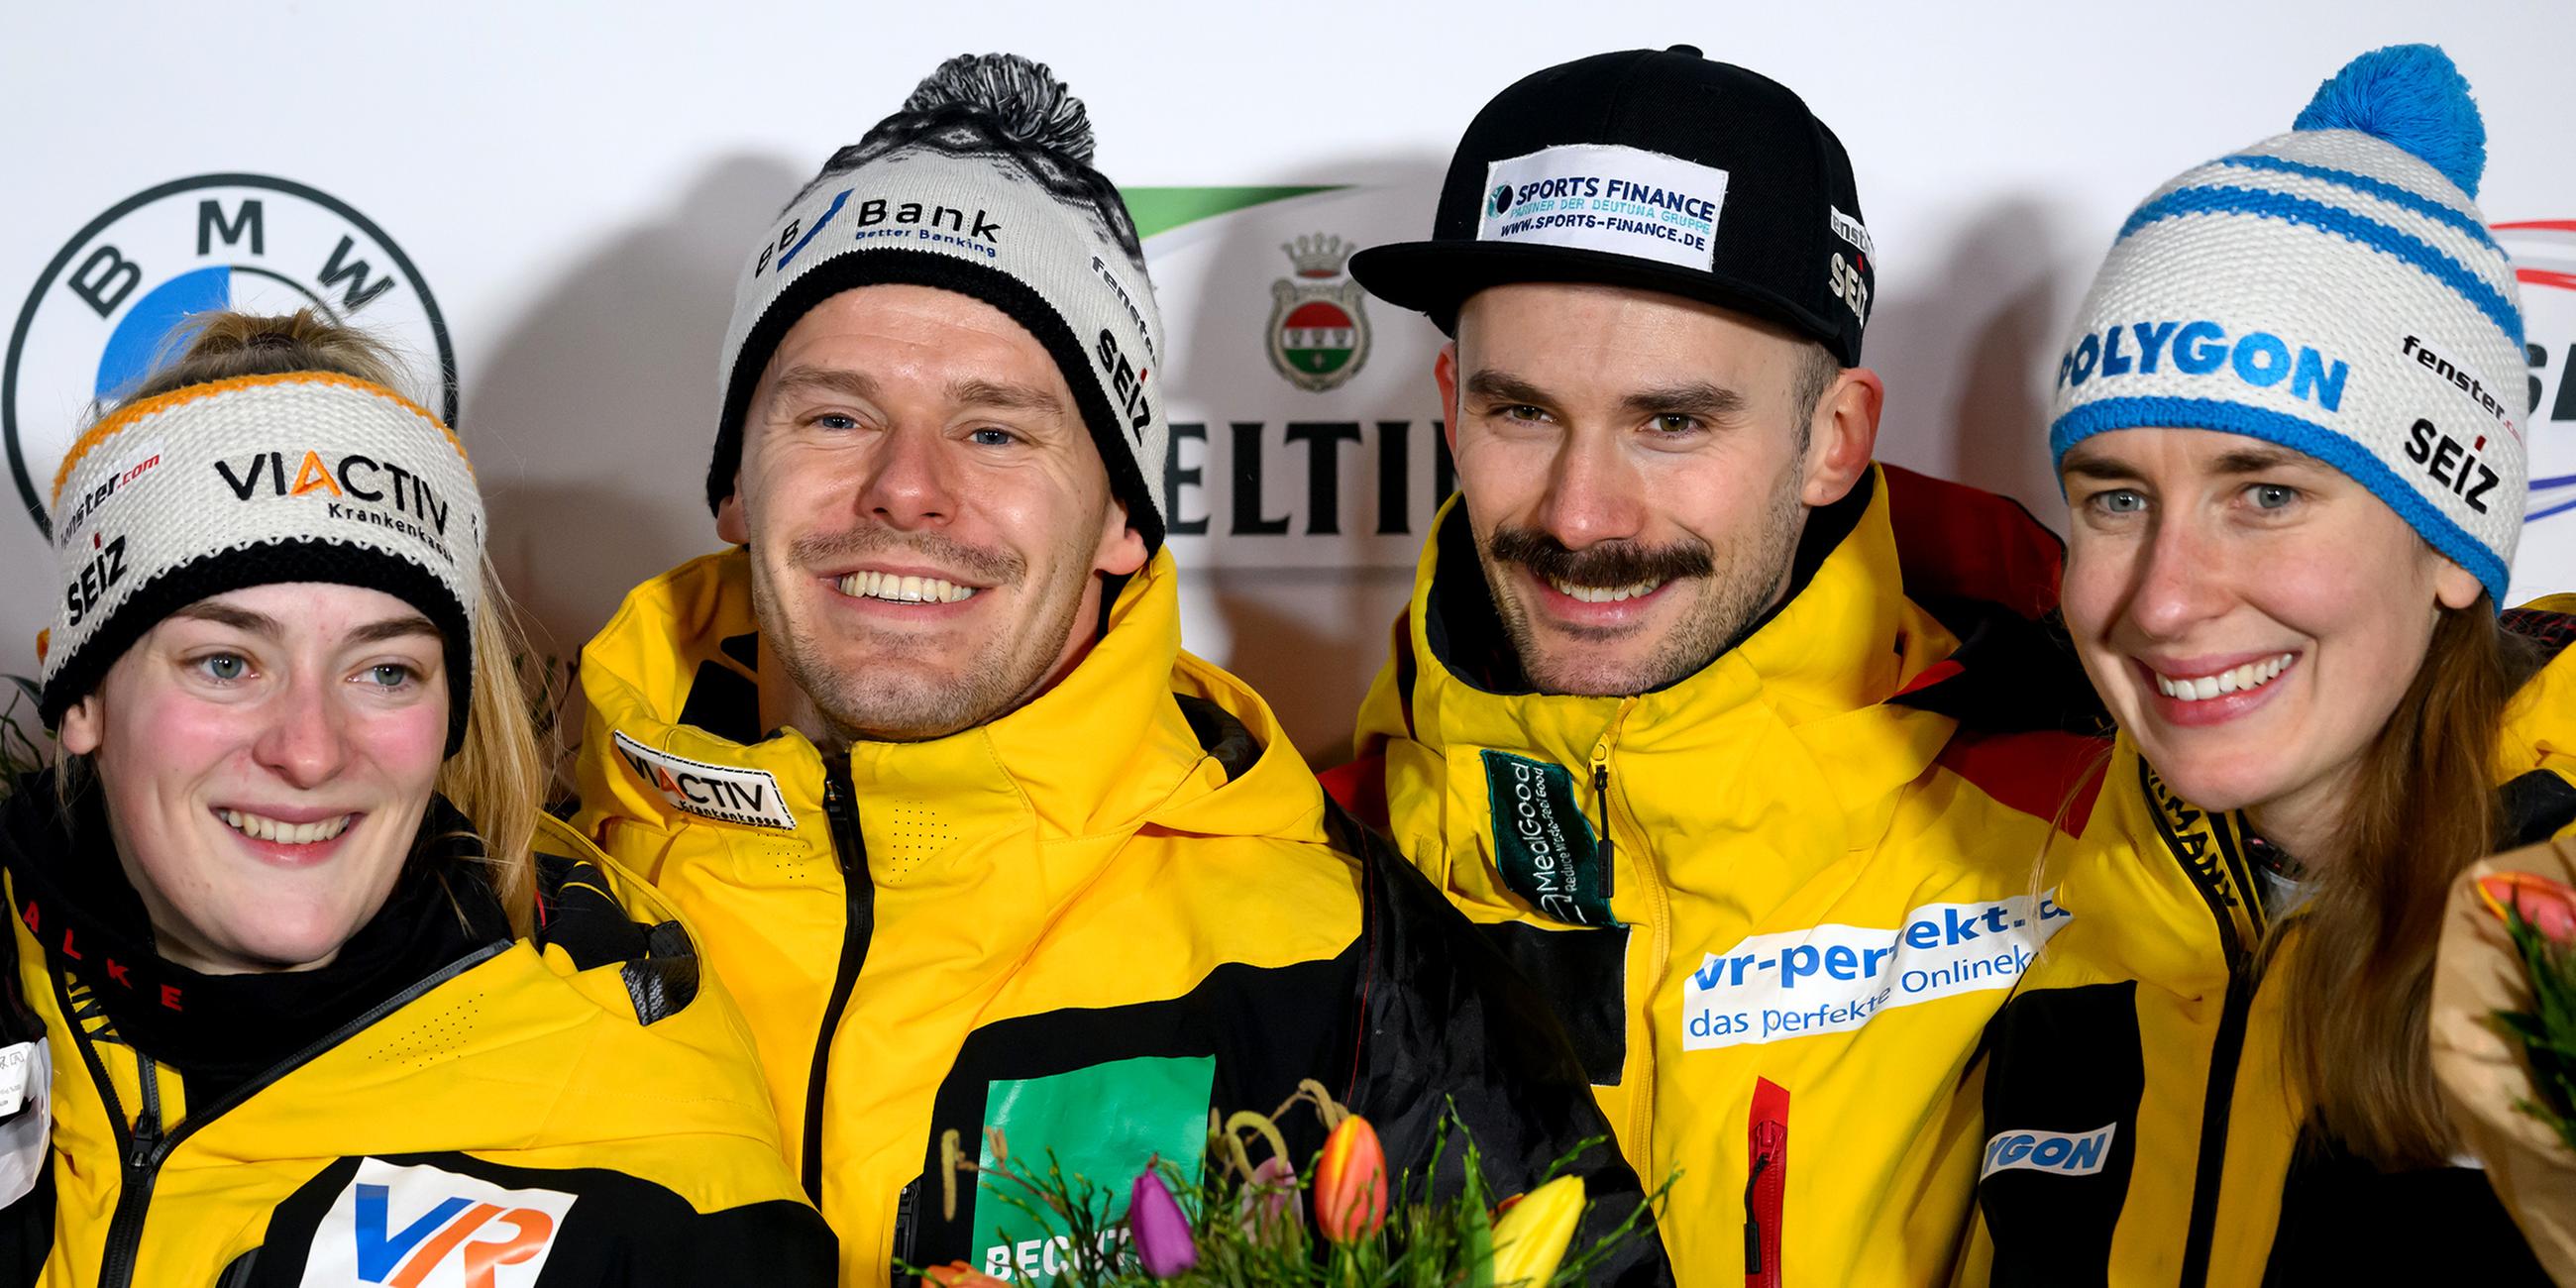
1122 548
81 726
1842 435
1444 370
731 527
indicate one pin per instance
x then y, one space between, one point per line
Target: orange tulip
2549 906
1350 1183
957 1274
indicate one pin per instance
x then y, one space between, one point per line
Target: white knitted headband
307 476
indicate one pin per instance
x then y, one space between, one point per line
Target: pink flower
1267 1207
1163 1242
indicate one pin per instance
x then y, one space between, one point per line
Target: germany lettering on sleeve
1834 978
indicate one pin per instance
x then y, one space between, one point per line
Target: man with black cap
983 854
1669 717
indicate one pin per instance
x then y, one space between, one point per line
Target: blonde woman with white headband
326 998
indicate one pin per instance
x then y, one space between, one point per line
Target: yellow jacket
2140 1128
1084 924
1774 906
571 1104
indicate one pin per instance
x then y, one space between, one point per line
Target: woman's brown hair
2358 957
497 778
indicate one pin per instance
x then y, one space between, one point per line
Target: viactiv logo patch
425 1227
1105 1124
110 305
1542 843
721 792
1834 978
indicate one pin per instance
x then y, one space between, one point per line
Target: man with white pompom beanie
985 856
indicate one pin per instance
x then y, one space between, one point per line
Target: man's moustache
991 567
1610 563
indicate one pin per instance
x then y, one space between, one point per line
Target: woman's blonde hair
497 777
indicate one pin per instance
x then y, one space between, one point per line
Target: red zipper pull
1766 1183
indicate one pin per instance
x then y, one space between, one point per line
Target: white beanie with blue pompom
2333 290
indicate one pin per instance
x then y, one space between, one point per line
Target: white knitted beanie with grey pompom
981 185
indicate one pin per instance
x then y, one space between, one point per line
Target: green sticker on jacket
1103 1124
1542 842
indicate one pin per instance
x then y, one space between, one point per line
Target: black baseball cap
1656 169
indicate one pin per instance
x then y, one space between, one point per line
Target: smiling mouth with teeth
260 827
1604 594
2252 675
904 590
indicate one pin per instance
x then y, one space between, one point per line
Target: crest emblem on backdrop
1319 330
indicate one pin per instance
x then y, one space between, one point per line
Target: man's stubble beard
1744 581
899 704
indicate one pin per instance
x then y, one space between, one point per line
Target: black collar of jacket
219 1030
1466 632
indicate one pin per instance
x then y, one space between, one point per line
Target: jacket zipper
147 1147
850 849
2226 1050
1766 1183
1641 1116
1601 802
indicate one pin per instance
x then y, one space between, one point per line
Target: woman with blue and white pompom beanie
2289 426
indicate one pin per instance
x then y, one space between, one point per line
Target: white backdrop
574 184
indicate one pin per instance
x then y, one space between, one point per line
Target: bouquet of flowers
2503 1029
1340 1221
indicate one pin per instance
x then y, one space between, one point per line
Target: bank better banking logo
2544 264
112 303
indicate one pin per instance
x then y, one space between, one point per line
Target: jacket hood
1109 750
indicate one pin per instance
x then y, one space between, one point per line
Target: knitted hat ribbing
981 185
307 476
2333 290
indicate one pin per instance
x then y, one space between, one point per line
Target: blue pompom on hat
2333 290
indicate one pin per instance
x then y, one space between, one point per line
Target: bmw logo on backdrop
113 303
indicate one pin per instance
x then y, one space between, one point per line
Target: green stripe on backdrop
1160 210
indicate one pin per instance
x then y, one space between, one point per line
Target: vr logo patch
2064 1153
423 1227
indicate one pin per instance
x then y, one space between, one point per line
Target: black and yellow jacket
443 1104
2140 1125
1776 901
1082 926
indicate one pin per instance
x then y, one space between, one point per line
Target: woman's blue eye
224 666
2273 496
2120 501
391 675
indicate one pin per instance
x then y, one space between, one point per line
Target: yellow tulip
1531 1237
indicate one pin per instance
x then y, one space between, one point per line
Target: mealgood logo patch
2065 1153
1542 844
1622 200
720 792
1833 978
423 1227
